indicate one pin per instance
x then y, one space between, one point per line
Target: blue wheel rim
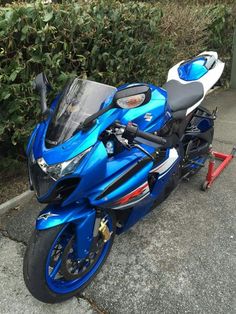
61 286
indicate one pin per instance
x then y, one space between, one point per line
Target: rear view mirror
127 98
42 85
132 97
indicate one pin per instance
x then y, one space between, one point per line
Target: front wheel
52 273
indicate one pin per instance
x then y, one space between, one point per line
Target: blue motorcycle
101 159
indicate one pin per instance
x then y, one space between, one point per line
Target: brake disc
73 268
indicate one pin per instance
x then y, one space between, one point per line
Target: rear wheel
52 273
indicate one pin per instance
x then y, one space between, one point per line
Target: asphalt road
178 259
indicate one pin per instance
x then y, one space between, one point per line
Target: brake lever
143 150
128 145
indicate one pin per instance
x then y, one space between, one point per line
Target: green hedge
108 41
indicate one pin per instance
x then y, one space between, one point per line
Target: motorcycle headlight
59 170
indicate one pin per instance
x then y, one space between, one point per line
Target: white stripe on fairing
161 165
167 164
165 172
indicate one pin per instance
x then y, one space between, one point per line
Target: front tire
38 266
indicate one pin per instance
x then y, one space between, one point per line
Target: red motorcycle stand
213 173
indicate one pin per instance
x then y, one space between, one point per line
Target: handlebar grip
131 131
152 138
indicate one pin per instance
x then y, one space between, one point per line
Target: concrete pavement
179 259
15 298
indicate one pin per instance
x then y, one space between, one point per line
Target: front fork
84 235
87 233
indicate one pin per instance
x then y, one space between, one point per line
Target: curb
16 201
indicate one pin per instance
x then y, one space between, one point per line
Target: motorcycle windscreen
79 100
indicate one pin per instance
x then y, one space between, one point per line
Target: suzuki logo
148 117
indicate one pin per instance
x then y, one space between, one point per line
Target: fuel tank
151 116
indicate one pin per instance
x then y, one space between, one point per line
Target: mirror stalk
43 102
42 86
94 116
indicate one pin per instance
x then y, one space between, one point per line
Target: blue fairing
193 69
144 207
97 170
57 215
31 139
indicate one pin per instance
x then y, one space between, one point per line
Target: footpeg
196 163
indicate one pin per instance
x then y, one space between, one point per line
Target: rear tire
35 261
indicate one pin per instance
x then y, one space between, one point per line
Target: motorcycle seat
183 96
